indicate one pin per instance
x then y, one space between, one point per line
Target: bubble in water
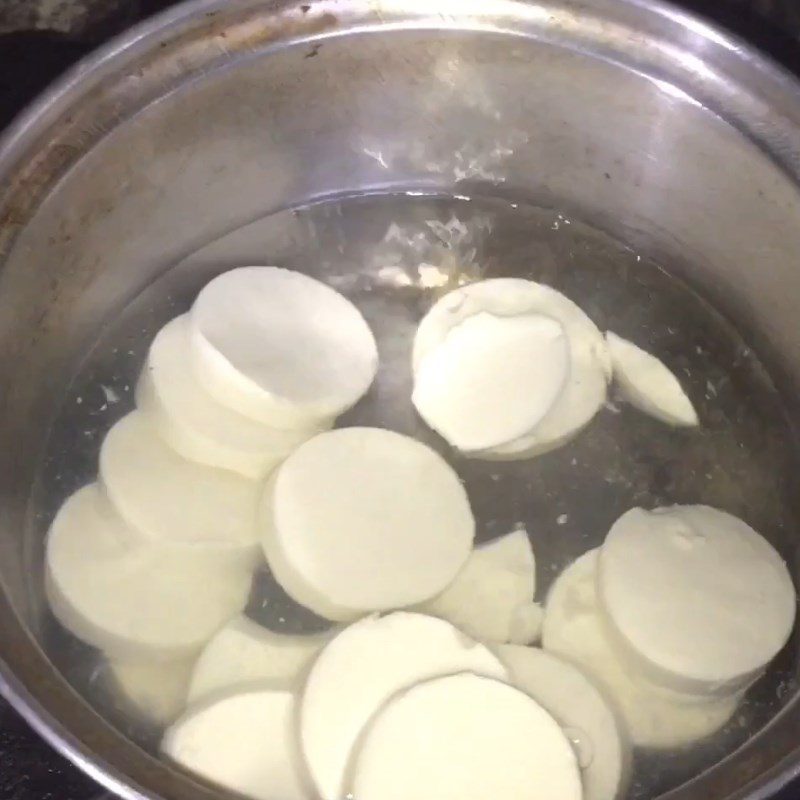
581 744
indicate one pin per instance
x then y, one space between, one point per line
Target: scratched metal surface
93 19
29 770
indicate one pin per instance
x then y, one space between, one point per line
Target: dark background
38 41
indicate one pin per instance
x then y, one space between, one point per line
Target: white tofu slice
245 743
700 601
154 690
582 711
526 624
492 378
487 598
589 364
175 502
575 629
281 347
243 652
132 599
361 669
197 426
465 737
363 519
647 383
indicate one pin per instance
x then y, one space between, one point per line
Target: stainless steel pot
630 114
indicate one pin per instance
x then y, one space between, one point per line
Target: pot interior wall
182 144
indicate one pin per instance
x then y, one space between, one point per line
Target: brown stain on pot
213 39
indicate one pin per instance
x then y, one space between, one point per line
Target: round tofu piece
175 502
280 347
245 743
465 737
197 426
575 629
132 599
489 596
243 653
582 711
700 601
585 389
363 519
153 690
526 624
647 383
365 665
492 378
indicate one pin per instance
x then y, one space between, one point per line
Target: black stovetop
31 59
